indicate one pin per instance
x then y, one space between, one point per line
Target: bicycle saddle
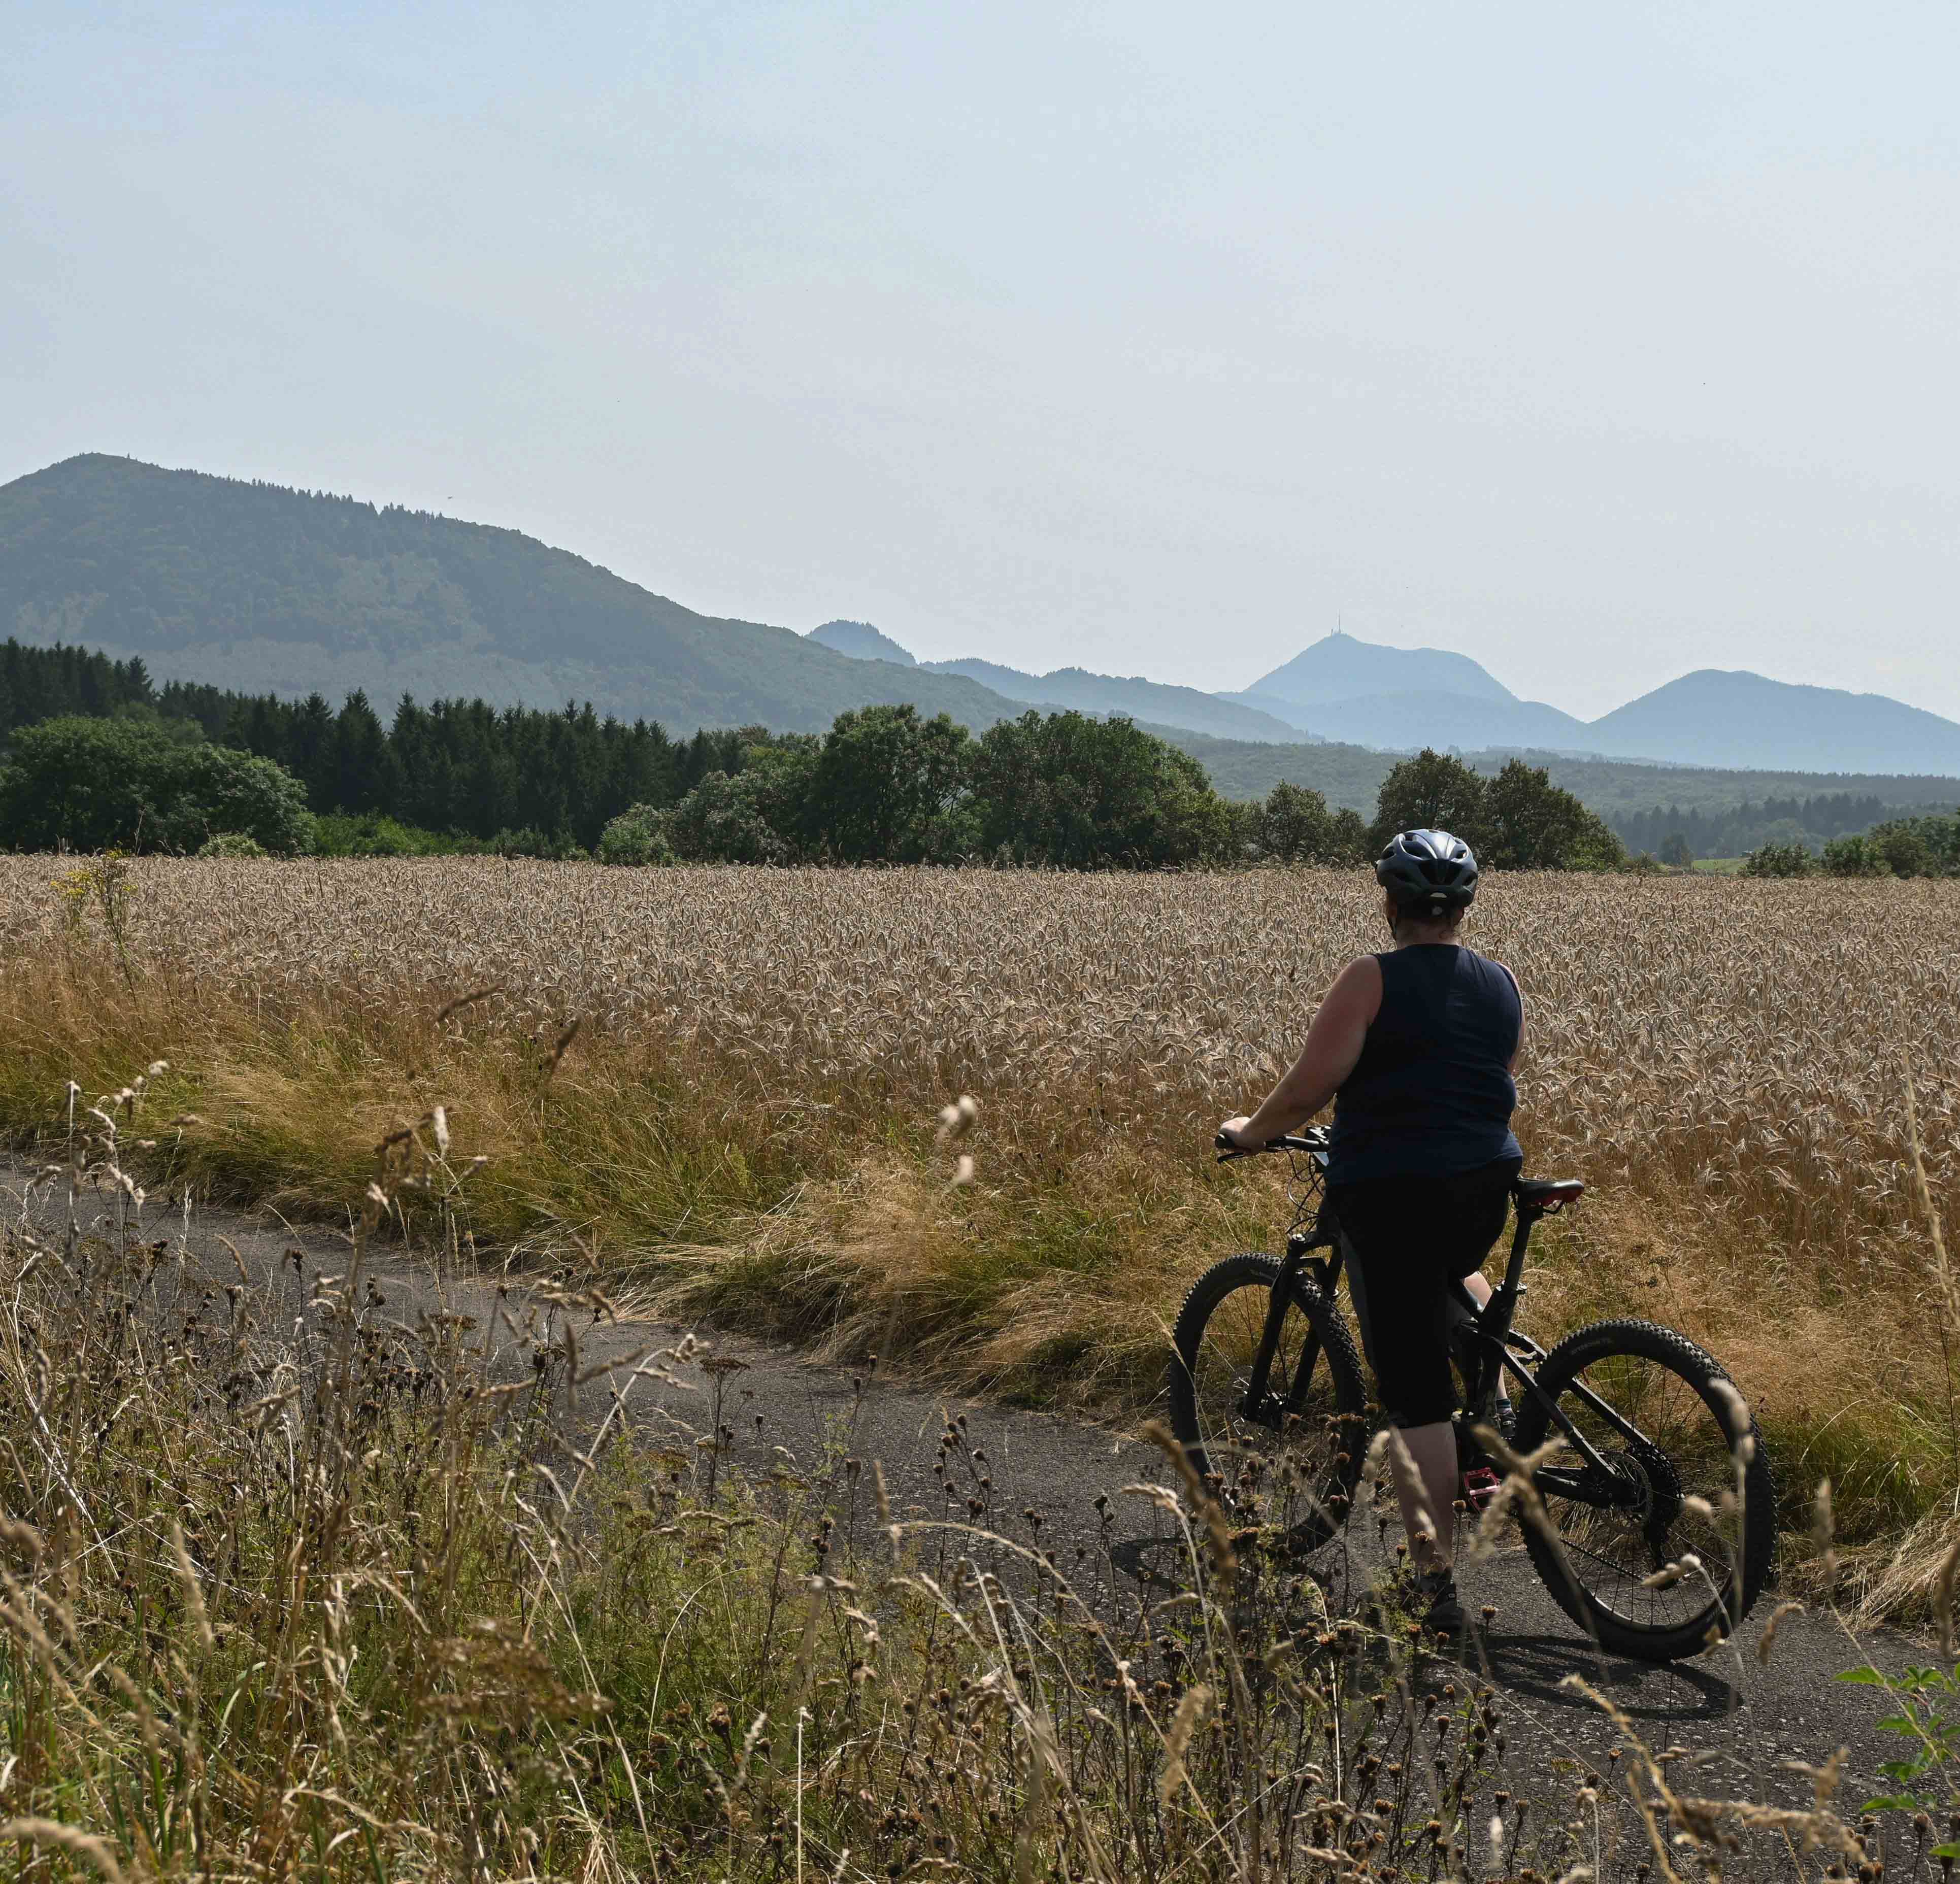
1546 1195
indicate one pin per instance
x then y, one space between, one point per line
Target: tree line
45 683
98 756
1678 836
1065 790
509 777
1926 845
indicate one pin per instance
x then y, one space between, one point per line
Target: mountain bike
1654 1523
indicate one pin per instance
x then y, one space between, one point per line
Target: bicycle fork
1253 1405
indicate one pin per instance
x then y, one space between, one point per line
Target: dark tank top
1432 1093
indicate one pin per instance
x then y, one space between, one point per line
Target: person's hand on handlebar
1232 1133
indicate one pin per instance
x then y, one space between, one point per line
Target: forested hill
1660 808
464 765
255 588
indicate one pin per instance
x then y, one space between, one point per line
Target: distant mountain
862 642
1147 702
1403 723
1143 701
254 587
1711 717
1352 775
1010 680
1340 667
1401 699
251 586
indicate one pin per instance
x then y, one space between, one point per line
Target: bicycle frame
1495 1346
1490 1329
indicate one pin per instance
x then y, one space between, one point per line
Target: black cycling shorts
1408 1238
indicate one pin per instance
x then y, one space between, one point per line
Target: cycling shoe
1444 1615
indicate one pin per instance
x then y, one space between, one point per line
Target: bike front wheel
1298 1443
1659 1543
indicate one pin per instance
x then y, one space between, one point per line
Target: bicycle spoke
1282 1460
1652 1544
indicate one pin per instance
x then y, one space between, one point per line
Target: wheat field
740 1122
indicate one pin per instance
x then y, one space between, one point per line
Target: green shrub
1854 856
83 784
563 848
231 843
886 787
373 834
1902 848
1536 825
637 836
205 789
1778 860
1293 825
1919 847
1433 791
726 820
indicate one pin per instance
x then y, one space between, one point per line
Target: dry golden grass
335 1597
743 1117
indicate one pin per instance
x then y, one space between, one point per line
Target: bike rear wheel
1299 1447
1676 1538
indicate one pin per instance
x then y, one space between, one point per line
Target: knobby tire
1597 1572
1326 1446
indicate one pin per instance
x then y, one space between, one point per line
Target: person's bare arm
1333 1045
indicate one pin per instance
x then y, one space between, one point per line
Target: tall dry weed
333 1597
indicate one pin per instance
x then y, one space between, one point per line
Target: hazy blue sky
1600 343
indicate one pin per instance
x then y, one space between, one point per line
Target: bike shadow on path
1157 1565
1536 1667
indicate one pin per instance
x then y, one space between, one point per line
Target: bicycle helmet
1428 872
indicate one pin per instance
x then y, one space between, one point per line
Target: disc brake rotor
1655 1486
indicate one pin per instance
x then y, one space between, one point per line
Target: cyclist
1416 1047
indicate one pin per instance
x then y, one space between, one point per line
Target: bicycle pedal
1480 1487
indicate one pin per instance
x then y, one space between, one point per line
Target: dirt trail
1738 1720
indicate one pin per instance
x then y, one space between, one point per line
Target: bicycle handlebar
1313 1139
